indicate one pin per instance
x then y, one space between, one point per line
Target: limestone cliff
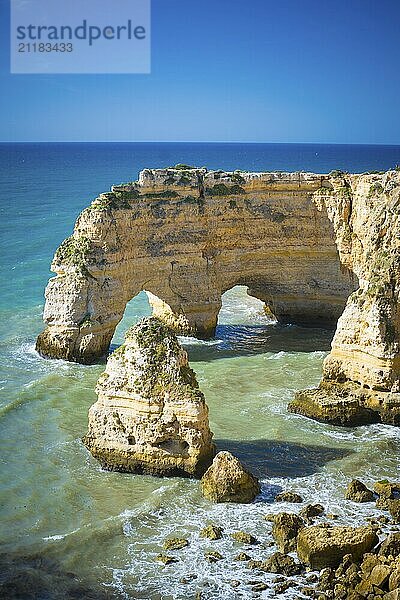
361 378
304 244
150 416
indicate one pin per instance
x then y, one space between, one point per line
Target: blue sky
228 70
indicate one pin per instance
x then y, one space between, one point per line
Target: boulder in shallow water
325 546
309 512
358 492
227 480
386 490
285 529
291 497
212 532
150 416
282 564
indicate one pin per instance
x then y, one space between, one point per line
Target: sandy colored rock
244 538
394 510
285 530
391 546
393 595
291 497
312 247
227 480
358 492
321 546
175 543
281 563
394 579
387 491
212 532
150 416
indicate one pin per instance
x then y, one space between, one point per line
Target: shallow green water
107 528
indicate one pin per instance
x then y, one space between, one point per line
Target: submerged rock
150 416
243 537
175 543
309 512
212 556
165 559
291 497
358 492
285 529
212 532
227 480
321 546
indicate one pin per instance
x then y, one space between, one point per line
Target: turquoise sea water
67 527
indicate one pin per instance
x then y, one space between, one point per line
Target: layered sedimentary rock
361 375
187 236
150 416
309 246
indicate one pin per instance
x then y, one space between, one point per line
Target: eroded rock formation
150 416
304 244
227 480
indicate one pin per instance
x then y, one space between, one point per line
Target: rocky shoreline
151 417
313 557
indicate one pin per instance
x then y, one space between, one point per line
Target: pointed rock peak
228 481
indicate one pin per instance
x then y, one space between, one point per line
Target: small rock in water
234 583
213 556
289 497
228 481
188 578
212 532
243 537
281 588
358 492
282 564
310 511
167 560
254 564
175 543
260 587
242 556
270 517
285 529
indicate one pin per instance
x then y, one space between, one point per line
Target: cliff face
302 243
150 416
361 381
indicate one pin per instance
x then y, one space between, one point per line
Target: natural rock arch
301 242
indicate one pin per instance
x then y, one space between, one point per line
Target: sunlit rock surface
150 416
311 247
